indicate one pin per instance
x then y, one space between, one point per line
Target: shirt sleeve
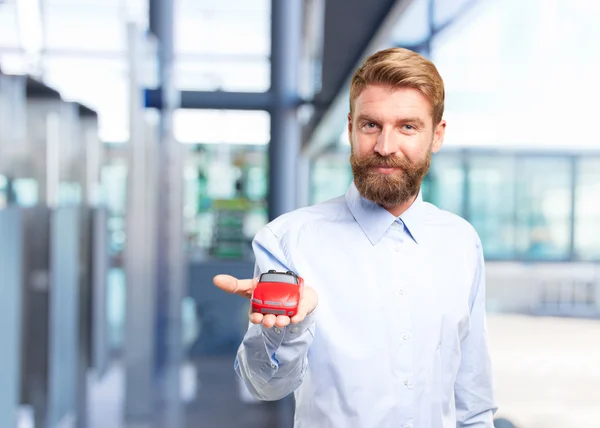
474 389
272 361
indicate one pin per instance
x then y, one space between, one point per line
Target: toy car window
278 277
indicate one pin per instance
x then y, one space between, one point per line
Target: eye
370 126
409 128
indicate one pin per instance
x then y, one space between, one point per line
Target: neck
398 210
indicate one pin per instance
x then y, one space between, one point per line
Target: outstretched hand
244 288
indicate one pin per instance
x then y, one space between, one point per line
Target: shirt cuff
277 335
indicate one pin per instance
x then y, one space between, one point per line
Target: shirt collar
375 220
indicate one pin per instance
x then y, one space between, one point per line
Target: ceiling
219 45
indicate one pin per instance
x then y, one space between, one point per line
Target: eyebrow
415 120
405 120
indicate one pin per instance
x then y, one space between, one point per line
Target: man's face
392 136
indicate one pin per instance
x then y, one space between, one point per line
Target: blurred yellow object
239 204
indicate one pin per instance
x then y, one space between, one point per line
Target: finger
298 318
300 315
256 318
230 284
282 321
269 320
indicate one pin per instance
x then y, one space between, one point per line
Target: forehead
388 102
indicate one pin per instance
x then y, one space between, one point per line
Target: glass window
543 190
225 73
79 27
256 183
444 184
221 28
99 83
499 65
447 10
225 197
330 177
222 126
223 45
9 36
3 192
587 210
413 26
26 192
491 203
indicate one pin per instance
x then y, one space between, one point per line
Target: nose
387 142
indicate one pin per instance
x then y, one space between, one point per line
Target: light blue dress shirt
399 337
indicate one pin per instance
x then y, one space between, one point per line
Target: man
391 331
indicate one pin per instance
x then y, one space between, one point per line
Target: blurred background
144 142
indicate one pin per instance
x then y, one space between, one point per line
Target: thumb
307 305
230 284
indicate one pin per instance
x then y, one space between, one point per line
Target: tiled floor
547 370
547 374
218 403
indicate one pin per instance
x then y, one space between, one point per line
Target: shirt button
400 292
407 426
294 330
405 336
273 365
277 330
397 248
406 382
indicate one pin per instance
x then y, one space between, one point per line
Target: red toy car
277 293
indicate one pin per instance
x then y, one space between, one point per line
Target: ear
438 136
350 128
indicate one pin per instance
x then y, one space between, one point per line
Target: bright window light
30 26
222 126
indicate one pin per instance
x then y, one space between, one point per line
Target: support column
11 330
171 260
284 147
304 185
139 344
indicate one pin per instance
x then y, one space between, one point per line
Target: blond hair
401 68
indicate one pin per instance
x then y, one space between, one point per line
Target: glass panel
222 126
98 83
225 199
587 210
447 10
330 177
79 27
114 187
9 36
444 183
13 63
413 26
209 30
491 207
223 73
543 208
3 192
26 192
116 296
499 66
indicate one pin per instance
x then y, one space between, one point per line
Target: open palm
244 288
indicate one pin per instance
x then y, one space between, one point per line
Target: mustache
378 161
